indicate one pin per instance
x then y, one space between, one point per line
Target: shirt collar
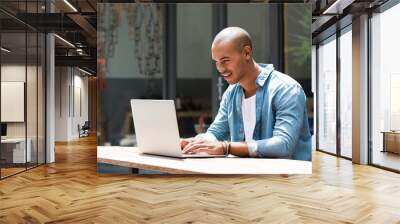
266 70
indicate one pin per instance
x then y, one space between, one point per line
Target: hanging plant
145 29
109 19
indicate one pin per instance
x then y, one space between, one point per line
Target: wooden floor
70 191
387 159
10 171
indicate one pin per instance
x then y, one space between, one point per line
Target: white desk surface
131 157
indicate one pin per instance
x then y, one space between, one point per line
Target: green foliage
301 47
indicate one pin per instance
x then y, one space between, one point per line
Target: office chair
84 130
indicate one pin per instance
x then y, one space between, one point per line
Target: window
327 95
346 93
385 88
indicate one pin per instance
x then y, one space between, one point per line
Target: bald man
262 113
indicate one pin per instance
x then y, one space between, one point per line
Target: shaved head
236 35
232 52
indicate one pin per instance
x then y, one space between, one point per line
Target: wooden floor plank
70 191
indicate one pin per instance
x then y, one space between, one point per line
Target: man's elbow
275 147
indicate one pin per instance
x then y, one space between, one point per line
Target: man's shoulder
277 79
280 80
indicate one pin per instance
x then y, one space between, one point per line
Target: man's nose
219 67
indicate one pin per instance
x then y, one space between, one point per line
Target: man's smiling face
229 61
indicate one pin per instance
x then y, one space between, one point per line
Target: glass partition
22 91
13 109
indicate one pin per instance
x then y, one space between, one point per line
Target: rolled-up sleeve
252 148
289 105
220 127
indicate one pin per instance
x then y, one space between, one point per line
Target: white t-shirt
249 116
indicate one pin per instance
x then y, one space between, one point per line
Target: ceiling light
65 41
5 50
84 71
70 5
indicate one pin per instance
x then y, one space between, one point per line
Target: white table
19 155
131 157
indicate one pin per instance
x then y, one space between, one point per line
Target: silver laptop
156 128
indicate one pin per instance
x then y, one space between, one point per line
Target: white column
50 93
360 90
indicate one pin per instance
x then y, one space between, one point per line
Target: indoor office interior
70 67
354 60
45 82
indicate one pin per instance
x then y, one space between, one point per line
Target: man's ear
247 52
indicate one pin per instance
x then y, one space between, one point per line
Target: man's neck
249 82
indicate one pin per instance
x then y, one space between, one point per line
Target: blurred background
163 51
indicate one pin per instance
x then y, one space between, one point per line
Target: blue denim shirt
281 129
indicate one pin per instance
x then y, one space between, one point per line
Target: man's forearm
239 149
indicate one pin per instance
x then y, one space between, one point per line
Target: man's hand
185 141
202 146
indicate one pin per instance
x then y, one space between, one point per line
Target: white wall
61 103
16 73
80 94
33 126
71 87
12 101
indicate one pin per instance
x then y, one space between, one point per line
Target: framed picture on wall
12 101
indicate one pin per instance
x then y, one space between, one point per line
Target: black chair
84 130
